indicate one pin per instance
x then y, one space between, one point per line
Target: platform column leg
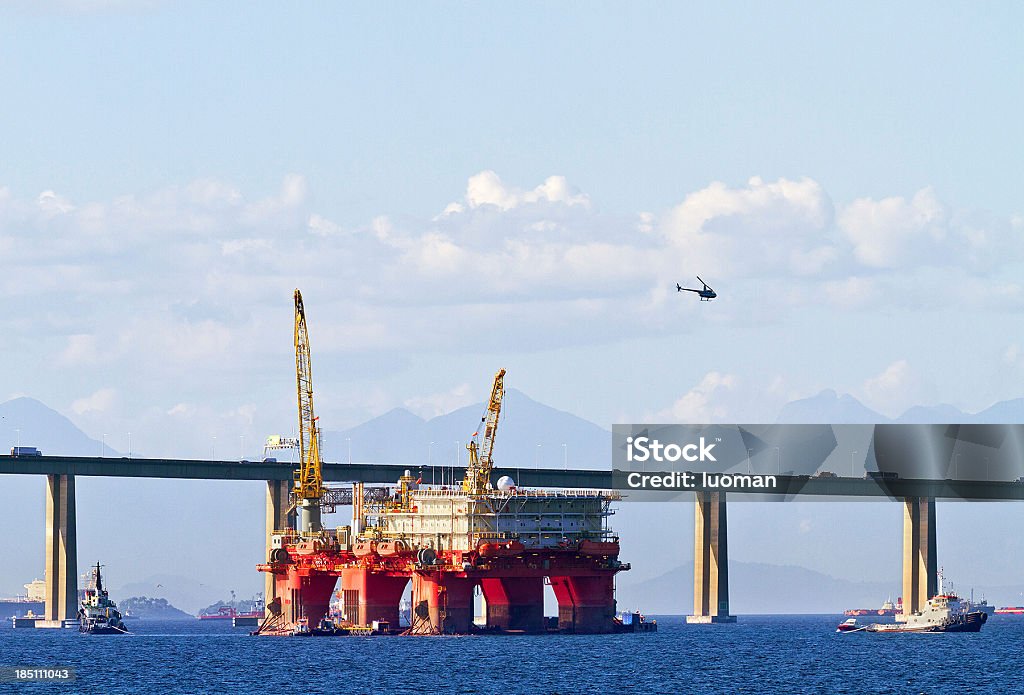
369 596
442 603
514 603
566 604
710 560
594 601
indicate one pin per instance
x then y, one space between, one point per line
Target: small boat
301 628
634 622
98 615
850 625
328 628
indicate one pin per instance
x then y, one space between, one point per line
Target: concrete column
920 564
710 561
277 519
61 549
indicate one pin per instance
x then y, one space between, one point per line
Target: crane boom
309 476
481 460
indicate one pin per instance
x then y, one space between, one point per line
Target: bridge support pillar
61 551
710 561
277 519
920 565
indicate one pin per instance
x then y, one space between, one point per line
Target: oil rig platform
445 541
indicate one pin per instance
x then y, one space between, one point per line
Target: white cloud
81 350
1012 354
486 188
181 410
897 388
891 232
536 267
99 402
705 402
762 229
322 226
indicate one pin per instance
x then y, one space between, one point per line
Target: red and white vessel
888 609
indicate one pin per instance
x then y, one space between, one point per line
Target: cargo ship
888 609
230 613
1010 610
32 601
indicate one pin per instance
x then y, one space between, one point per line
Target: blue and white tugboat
98 614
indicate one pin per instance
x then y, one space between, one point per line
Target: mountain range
532 435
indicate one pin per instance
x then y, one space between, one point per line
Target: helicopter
706 294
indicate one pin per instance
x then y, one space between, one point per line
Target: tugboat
301 628
98 614
945 612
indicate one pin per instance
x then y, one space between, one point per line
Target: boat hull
102 630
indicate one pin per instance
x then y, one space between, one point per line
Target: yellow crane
481 461
309 477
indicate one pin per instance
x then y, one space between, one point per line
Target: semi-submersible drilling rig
446 540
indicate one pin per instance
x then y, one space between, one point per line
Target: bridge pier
277 519
920 565
61 552
710 561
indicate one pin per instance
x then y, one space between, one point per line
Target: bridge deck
572 478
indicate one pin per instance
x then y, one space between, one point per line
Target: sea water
758 654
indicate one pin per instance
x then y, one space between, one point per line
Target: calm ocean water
791 654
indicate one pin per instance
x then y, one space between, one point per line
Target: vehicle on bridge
25 451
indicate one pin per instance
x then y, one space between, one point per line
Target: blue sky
460 186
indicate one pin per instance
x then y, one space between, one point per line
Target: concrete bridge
711 586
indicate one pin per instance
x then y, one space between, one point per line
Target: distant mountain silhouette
934 414
1003 412
44 428
399 436
828 408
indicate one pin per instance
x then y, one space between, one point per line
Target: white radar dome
505 483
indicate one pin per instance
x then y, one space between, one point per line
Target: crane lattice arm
309 477
481 461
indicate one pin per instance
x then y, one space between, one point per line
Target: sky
457 187
461 187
